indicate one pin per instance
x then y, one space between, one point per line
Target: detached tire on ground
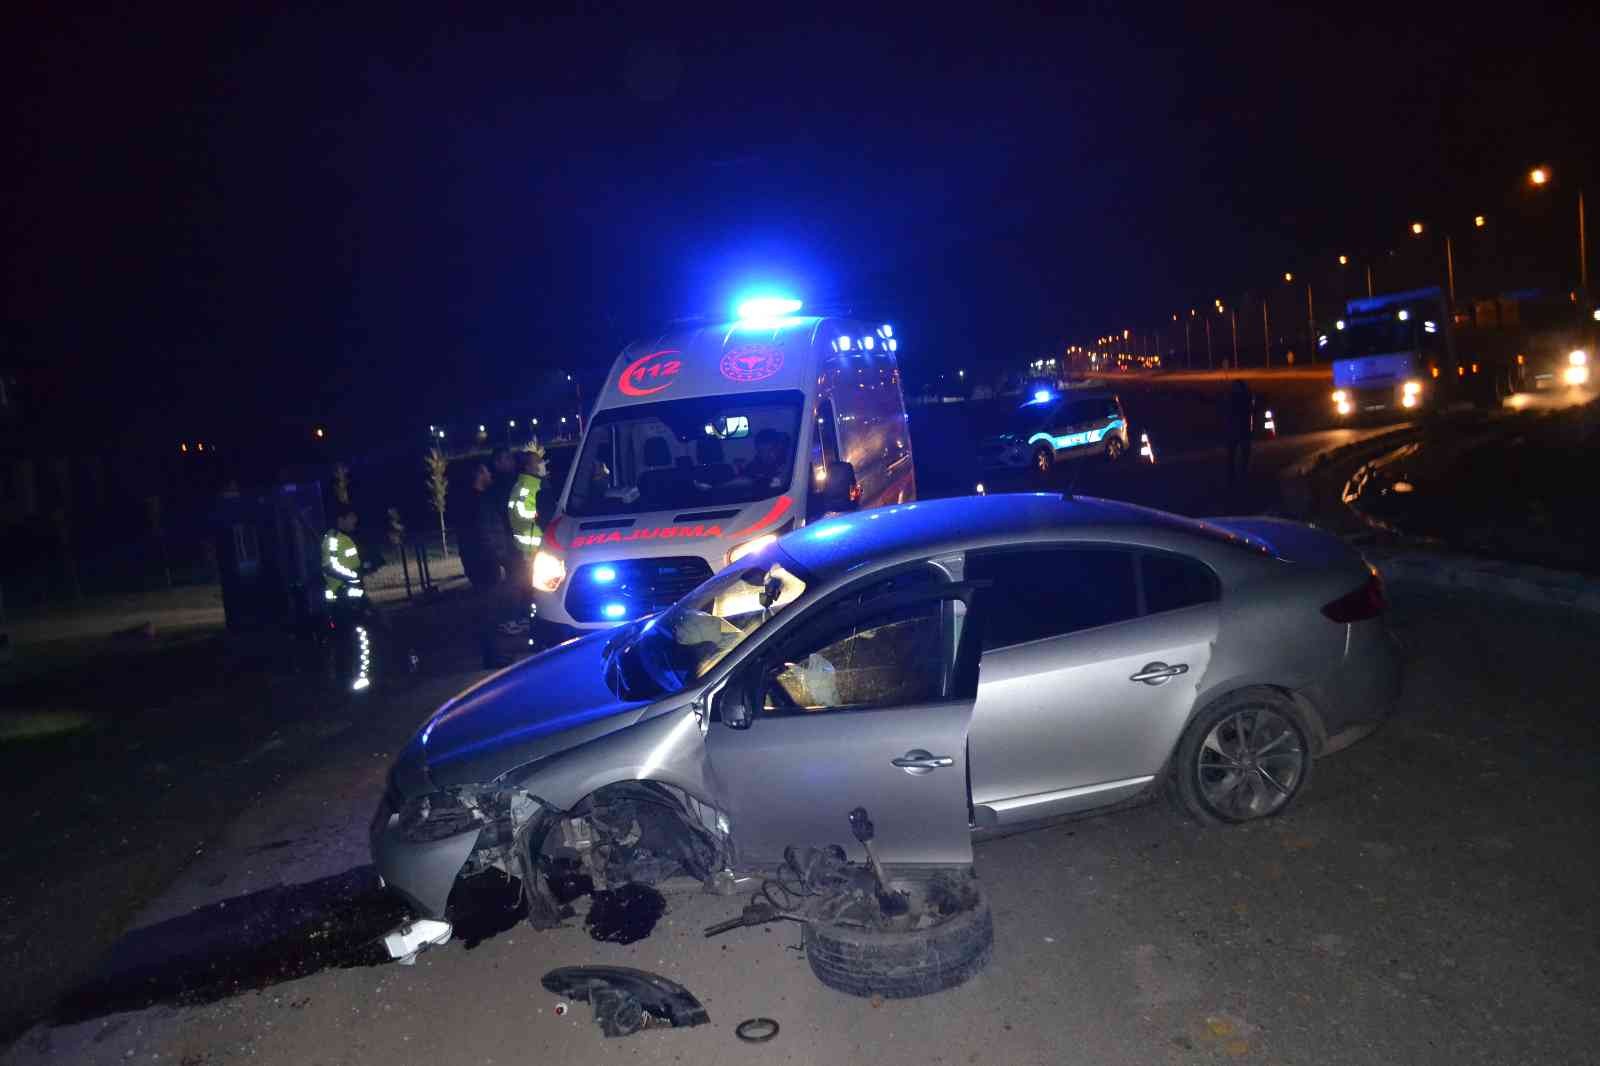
901 965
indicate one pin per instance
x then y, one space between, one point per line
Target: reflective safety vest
341 567
524 517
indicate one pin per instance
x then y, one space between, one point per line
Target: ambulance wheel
1044 462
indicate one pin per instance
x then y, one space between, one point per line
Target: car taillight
1366 602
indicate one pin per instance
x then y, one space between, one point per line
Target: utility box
268 555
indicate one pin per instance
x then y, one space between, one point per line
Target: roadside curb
1305 493
1517 581
1297 484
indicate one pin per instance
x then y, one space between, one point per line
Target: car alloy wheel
1243 757
1250 764
1114 448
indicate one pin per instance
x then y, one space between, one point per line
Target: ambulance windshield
683 454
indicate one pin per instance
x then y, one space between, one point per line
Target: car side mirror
732 705
834 489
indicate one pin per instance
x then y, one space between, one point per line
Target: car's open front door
863 707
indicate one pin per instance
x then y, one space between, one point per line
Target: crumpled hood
541 706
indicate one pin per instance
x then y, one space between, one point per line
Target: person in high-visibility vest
345 597
524 503
524 514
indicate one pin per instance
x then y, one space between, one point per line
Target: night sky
229 222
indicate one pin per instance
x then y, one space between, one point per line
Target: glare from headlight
1411 388
750 546
548 571
1344 407
1578 357
1339 396
1576 375
1408 400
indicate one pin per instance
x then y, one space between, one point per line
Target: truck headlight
548 571
751 546
1578 357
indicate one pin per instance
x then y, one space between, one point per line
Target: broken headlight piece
438 816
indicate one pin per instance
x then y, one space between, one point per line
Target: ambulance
707 443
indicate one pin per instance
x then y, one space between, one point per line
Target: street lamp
1416 229
1288 277
1479 221
1344 260
1541 176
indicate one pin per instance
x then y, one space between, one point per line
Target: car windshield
683 454
671 651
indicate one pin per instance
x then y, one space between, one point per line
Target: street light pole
1311 324
1266 333
1583 248
1233 321
1369 281
1210 363
1450 272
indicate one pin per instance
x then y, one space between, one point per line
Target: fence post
405 569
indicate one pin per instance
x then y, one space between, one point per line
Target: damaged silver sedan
952 666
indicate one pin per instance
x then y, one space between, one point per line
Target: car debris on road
626 1000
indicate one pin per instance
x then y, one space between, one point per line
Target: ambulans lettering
650 373
616 536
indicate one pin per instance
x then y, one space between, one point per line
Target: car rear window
1172 582
1045 592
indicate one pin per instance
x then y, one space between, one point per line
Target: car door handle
1159 673
918 762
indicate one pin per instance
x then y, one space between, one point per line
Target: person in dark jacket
1238 424
487 558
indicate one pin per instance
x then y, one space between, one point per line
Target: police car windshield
685 454
679 647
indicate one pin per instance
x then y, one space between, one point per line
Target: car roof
890 535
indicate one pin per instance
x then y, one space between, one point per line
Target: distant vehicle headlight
1578 357
548 571
1339 396
1411 388
1576 375
1344 407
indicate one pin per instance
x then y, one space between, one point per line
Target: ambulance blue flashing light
767 308
1042 396
614 610
605 575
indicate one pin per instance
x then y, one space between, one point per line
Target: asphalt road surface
1428 900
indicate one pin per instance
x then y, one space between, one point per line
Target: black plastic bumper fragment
627 1000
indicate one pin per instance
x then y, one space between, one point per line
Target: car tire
904 964
1221 784
1115 448
1044 462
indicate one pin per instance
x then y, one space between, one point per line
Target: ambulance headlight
750 547
548 571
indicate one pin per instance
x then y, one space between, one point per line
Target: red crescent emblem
636 373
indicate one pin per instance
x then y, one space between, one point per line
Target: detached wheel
1044 462
899 964
1243 758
